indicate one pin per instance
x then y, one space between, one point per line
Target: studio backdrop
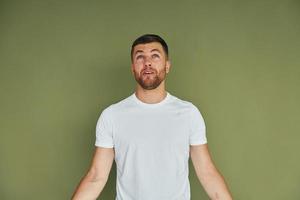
63 62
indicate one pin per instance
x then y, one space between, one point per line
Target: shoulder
185 104
191 109
118 106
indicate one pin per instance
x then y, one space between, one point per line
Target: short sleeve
104 130
197 127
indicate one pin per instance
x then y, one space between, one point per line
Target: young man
151 135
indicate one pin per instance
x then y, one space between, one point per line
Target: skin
151 57
150 89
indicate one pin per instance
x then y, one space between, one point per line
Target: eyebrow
138 51
141 51
155 50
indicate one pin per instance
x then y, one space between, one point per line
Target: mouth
147 72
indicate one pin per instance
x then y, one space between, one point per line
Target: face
149 65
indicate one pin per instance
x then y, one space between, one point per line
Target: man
151 135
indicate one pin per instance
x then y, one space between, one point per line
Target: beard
150 81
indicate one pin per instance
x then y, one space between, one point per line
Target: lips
146 72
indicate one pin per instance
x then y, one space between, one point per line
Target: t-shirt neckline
138 101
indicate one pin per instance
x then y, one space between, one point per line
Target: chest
151 129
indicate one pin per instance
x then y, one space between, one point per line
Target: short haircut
148 38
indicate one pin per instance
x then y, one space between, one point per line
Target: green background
63 62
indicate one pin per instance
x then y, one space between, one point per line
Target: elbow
208 176
95 177
215 185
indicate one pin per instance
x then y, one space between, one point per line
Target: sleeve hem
104 145
198 142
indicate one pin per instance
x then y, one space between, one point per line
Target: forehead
148 47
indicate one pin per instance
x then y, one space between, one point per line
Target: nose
147 61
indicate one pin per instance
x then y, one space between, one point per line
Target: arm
208 175
94 181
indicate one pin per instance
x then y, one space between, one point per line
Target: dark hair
148 38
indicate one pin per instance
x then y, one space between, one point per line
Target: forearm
215 186
89 187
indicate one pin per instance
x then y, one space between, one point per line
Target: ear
168 66
131 68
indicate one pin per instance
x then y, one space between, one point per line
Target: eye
139 57
155 56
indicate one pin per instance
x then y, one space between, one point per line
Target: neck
151 96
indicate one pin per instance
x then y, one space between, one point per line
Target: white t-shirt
151 143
